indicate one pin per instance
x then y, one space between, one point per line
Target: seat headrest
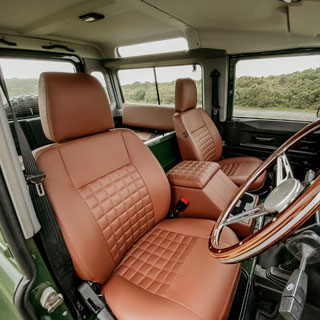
72 105
186 94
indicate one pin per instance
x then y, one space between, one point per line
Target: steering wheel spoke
284 170
246 215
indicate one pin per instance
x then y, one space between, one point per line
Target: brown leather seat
199 139
111 196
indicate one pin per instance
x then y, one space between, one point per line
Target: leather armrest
192 174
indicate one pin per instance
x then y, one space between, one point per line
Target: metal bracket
50 299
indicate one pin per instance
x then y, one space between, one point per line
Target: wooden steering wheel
291 203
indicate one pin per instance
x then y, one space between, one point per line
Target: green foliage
146 92
298 90
136 93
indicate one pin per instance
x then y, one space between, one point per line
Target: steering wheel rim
286 221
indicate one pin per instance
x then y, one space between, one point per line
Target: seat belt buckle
93 302
180 206
37 180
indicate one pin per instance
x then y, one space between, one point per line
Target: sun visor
304 18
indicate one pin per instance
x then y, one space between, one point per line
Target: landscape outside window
278 88
22 77
139 85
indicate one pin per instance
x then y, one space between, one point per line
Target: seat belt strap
50 233
215 106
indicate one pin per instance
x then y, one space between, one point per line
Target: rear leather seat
199 139
148 121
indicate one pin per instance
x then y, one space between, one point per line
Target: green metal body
10 277
166 150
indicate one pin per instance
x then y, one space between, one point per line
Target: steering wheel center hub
282 195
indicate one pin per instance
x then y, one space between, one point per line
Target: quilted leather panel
238 169
231 169
122 206
205 143
156 260
193 174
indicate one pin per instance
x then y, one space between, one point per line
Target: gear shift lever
305 247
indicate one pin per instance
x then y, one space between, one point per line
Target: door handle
264 139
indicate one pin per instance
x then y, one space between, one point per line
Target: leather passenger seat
199 139
111 196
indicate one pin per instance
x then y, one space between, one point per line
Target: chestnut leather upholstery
148 116
238 170
142 118
199 139
111 196
168 274
208 190
65 116
192 174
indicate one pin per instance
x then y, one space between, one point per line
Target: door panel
260 137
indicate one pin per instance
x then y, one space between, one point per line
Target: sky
276 66
24 69
170 45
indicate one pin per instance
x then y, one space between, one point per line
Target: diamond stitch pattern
154 263
231 169
205 142
194 171
122 206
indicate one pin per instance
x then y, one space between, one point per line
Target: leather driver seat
111 197
199 139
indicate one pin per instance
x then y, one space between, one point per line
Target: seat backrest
106 187
148 116
197 136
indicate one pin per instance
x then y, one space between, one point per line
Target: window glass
100 77
138 85
22 77
163 46
167 76
278 88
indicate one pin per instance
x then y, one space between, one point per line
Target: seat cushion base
169 274
238 169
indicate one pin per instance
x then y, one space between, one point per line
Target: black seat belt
215 108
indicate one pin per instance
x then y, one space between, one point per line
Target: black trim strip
156 84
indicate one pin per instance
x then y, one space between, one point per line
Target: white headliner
237 26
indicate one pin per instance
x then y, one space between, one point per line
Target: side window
22 77
157 85
100 77
167 76
138 85
285 88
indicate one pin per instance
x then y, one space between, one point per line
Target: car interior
160 159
